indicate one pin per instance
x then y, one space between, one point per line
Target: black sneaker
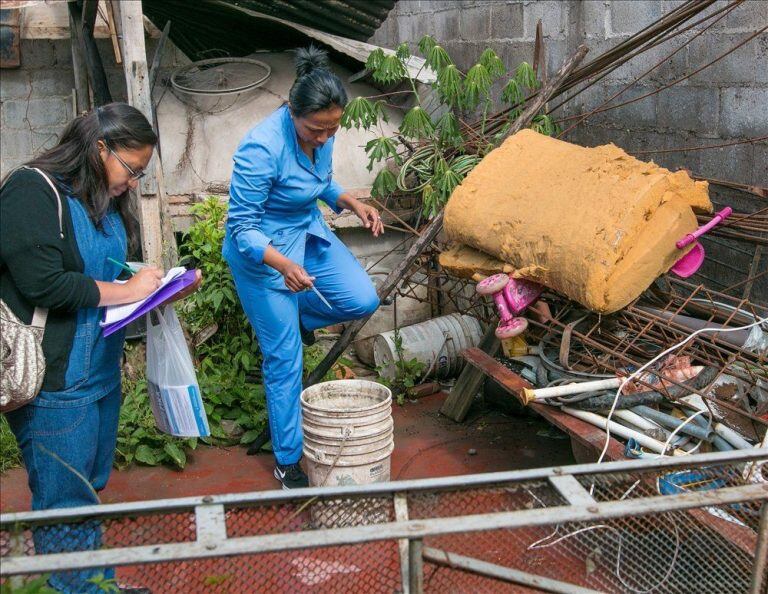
307 336
292 476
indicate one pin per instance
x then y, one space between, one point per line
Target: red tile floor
427 444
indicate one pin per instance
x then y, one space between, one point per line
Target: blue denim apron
76 427
94 362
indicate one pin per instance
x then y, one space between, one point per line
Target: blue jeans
68 452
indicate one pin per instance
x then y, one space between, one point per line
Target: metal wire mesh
706 549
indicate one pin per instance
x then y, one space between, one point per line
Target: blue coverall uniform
273 201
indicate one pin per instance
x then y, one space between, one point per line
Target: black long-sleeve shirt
40 269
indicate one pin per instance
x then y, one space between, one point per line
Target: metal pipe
673 423
761 553
499 572
640 422
416 565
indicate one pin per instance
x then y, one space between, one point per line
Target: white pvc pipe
637 420
732 437
576 388
616 429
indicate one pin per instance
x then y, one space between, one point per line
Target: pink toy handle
716 220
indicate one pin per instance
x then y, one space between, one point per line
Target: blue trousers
68 453
274 315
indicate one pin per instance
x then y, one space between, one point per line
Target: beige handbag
22 365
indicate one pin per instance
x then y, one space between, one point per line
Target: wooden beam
82 97
470 381
82 27
157 239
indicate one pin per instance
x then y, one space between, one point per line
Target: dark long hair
316 87
76 163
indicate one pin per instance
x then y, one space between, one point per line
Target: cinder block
744 112
639 114
744 17
738 67
475 23
593 15
36 53
733 163
16 144
8 164
13 114
444 26
513 53
630 17
553 15
14 84
506 21
44 139
52 82
760 167
689 108
47 112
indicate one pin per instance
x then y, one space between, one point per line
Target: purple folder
172 288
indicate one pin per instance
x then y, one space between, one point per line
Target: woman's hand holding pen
144 282
296 278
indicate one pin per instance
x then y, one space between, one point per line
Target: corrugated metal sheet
210 28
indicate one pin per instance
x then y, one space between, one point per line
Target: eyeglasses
135 175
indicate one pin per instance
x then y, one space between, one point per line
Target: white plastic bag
171 380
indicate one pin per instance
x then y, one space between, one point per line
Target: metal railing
677 524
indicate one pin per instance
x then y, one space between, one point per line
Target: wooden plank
158 242
82 24
581 431
470 380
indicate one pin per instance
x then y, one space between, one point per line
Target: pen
320 295
121 265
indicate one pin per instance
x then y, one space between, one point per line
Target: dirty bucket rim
376 385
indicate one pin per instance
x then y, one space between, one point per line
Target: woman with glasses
65 217
281 252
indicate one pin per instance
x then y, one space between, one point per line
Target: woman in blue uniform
278 245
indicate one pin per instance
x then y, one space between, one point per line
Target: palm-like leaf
476 86
417 124
492 63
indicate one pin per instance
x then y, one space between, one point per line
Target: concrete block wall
36 99
726 102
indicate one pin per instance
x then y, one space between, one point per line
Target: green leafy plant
225 347
38 585
435 152
10 455
139 441
407 371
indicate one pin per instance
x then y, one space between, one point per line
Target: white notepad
115 313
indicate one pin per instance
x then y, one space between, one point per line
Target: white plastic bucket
436 343
348 432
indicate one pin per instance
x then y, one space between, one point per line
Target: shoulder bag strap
40 316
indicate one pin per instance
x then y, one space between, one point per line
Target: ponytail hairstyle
316 88
75 161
